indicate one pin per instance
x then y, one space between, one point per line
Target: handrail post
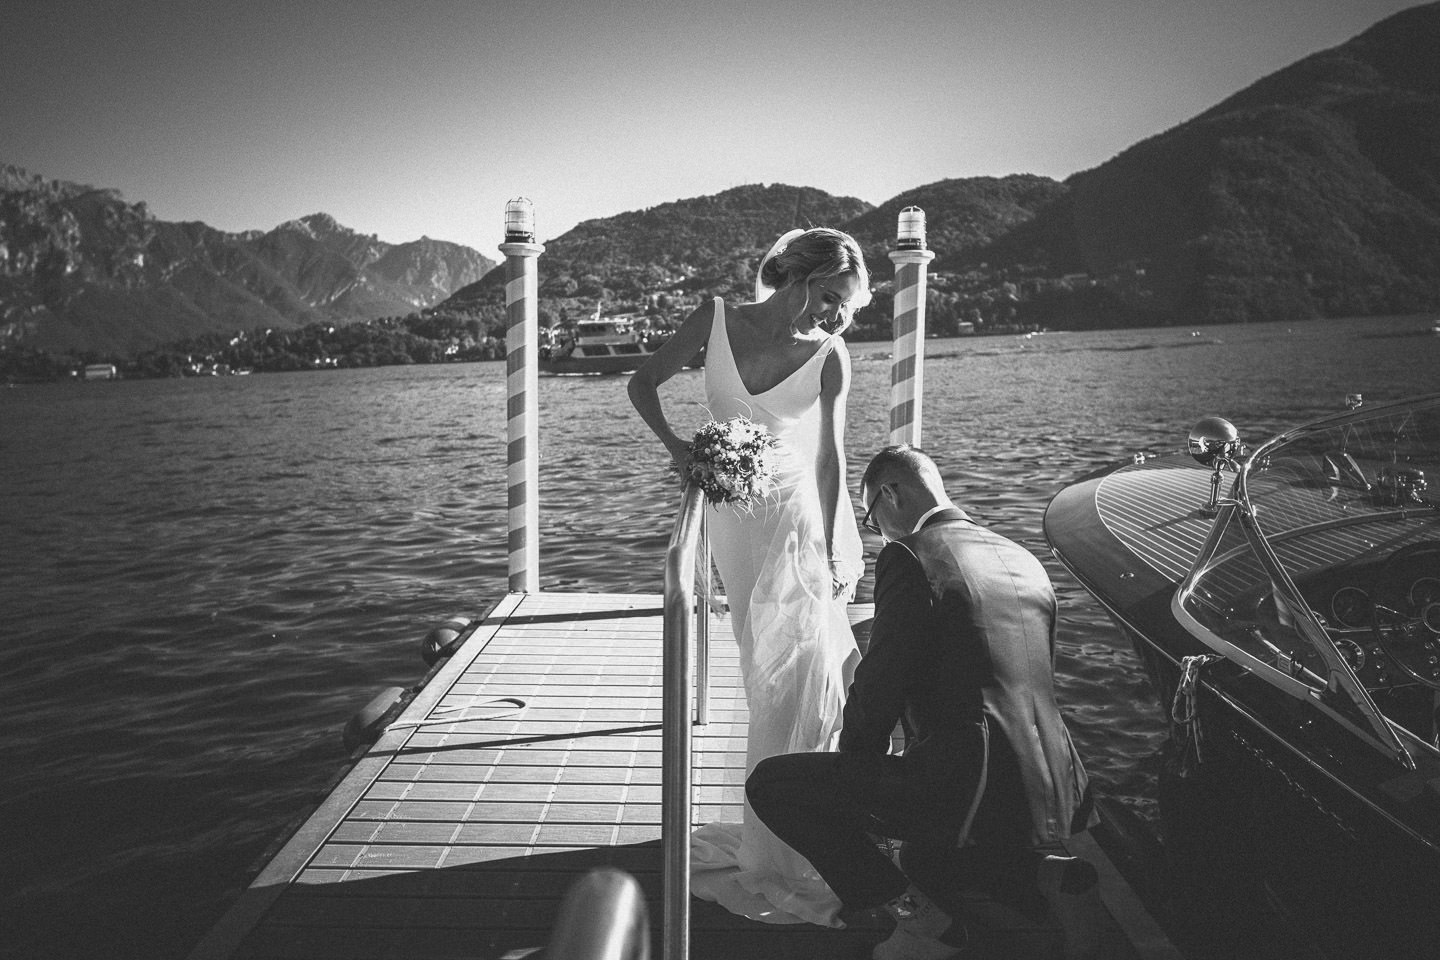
676 712
602 917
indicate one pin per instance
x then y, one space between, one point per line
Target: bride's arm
830 457
669 360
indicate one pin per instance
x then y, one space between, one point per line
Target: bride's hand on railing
680 469
680 460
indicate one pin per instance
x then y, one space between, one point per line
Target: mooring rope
1184 716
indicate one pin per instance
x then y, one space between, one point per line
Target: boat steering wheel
1407 627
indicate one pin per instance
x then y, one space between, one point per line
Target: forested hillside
1313 192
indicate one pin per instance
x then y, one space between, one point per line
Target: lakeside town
958 305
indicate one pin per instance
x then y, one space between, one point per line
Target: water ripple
202 579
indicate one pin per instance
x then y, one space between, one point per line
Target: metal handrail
704 591
603 917
675 785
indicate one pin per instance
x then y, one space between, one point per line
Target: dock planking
459 832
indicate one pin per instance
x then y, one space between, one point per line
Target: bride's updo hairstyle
817 254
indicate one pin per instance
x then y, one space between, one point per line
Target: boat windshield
1379 464
1322 574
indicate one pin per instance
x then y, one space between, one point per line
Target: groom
961 653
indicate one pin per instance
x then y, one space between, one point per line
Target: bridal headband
762 290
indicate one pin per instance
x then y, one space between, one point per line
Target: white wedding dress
797 652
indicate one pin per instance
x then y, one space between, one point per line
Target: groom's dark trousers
961 653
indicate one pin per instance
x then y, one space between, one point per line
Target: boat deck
459 832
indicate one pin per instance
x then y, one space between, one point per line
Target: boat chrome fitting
1214 442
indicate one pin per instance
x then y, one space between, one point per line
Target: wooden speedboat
1286 604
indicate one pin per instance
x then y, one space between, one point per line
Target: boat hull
605 364
626 363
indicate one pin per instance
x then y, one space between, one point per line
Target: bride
790 562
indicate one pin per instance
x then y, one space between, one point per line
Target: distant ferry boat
604 345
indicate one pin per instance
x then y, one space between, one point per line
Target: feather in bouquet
733 461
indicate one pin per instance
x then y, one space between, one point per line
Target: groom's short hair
902 460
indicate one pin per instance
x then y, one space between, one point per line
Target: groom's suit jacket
962 652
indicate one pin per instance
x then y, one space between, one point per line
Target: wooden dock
459 832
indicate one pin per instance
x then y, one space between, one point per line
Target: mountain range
81 268
1313 192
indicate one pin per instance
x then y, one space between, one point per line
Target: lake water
201 580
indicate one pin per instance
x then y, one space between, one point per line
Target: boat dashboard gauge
1351 607
1353 653
1424 592
1430 617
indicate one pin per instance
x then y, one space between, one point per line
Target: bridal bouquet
733 461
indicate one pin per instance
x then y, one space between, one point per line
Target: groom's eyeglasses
868 523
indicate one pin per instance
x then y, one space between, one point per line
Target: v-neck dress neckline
722 322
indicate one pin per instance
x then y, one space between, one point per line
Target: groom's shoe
922 930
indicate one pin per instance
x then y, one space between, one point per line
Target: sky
410 118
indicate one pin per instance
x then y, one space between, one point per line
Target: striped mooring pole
907 364
522 382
